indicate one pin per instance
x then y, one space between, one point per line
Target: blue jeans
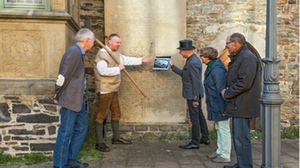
242 141
71 134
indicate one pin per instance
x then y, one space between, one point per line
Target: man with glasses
242 93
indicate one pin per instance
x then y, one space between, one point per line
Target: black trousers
198 123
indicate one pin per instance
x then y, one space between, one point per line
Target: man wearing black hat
192 91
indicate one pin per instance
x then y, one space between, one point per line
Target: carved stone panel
22 53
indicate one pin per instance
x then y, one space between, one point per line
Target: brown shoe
120 141
102 147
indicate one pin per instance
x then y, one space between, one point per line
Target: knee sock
115 127
99 132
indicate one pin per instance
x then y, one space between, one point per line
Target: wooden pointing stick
87 24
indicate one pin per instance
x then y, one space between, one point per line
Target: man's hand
55 101
146 59
121 67
222 93
171 63
195 104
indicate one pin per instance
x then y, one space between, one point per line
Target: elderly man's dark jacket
191 76
244 85
71 94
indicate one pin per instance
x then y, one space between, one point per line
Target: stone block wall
28 124
138 130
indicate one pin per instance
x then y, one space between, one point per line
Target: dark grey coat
214 83
191 76
244 85
70 94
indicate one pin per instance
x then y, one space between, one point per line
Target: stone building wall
32 44
209 22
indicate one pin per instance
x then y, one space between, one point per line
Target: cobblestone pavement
157 154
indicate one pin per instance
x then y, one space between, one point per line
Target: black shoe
207 142
78 165
234 166
189 146
120 141
102 147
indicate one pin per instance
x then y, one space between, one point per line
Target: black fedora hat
186 45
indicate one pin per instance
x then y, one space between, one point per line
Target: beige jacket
107 72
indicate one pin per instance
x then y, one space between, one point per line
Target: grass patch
27 159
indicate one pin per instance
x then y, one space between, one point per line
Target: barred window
25 4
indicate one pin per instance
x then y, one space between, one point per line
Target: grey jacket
70 94
191 76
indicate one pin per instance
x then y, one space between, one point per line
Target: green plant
34 158
213 134
4 158
163 137
256 134
290 132
28 159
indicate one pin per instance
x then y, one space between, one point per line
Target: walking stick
87 24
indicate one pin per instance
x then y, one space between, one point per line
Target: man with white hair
69 94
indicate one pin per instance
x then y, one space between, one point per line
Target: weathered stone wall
209 22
